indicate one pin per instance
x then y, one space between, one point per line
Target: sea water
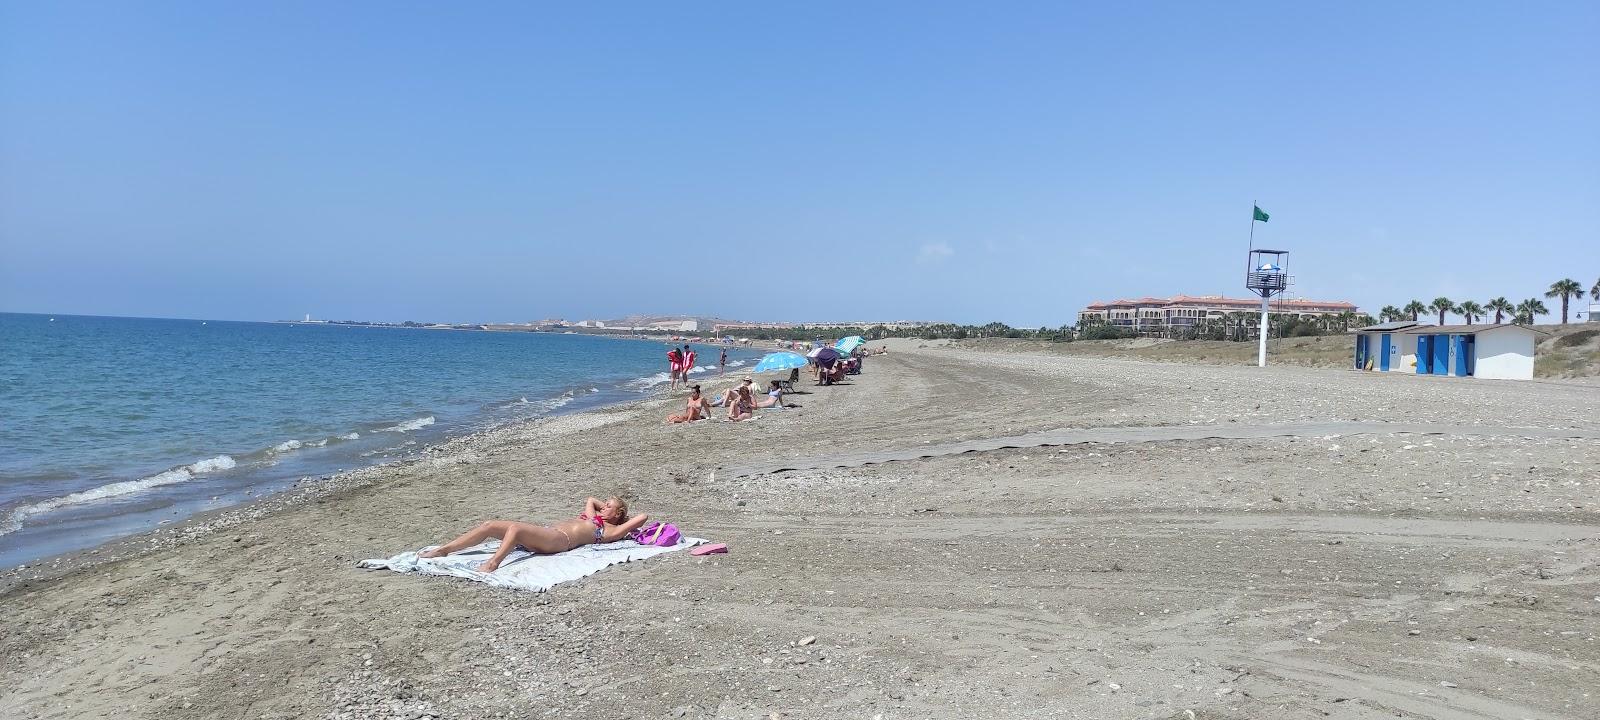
112 426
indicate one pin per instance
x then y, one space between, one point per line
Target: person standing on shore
675 361
688 363
722 363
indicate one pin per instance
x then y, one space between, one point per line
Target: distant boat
52 319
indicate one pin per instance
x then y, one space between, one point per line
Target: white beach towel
524 570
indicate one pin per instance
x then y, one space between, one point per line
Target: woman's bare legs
484 531
511 534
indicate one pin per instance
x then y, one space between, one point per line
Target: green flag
1261 215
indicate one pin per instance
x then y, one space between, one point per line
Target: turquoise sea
111 426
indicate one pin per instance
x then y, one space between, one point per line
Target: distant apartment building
723 328
729 327
1163 316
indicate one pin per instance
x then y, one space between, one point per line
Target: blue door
1424 352
1466 352
1361 352
1441 354
1383 357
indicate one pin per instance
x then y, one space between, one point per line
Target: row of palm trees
1240 325
1522 313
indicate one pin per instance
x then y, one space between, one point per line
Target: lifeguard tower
1267 274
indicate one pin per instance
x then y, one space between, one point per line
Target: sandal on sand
713 548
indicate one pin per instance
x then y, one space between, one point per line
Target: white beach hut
1492 352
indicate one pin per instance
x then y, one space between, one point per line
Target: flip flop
711 549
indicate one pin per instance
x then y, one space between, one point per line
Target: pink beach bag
658 534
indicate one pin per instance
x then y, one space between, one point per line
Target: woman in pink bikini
599 522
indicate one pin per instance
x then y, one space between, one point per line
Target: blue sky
974 162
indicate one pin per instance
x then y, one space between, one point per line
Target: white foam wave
736 363
289 445
410 425
594 390
14 520
351 436
220 462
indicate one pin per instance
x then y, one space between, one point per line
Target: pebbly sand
1358 574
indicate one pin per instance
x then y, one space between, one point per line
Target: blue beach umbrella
849 344
780 361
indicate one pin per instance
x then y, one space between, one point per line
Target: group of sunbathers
740 401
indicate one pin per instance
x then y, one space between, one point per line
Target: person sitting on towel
732 394
697 409
599 522
774 398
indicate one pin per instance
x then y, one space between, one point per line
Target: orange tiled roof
1222 301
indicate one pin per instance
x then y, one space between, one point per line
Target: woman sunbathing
599 522
743 404
774 398
697 409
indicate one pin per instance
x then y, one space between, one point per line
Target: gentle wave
13 521
289 446
220 462
410 425
649 381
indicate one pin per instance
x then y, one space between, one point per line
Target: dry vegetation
1569 351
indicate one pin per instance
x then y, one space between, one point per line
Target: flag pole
1247 267
1252 225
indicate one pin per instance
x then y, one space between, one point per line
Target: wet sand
1260 566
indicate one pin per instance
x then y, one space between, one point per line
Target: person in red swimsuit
675 361
599 522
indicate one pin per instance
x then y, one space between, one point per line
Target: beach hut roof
1467 329
1388 326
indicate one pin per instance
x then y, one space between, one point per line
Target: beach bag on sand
658 534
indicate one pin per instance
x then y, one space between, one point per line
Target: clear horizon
503 163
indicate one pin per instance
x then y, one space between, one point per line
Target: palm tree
1443 305
1501 307
1529 310
1390 312
1469 309
1416 308
1594 292
1564 289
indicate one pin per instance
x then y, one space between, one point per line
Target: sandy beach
953 534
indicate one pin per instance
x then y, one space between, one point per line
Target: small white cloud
934 252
